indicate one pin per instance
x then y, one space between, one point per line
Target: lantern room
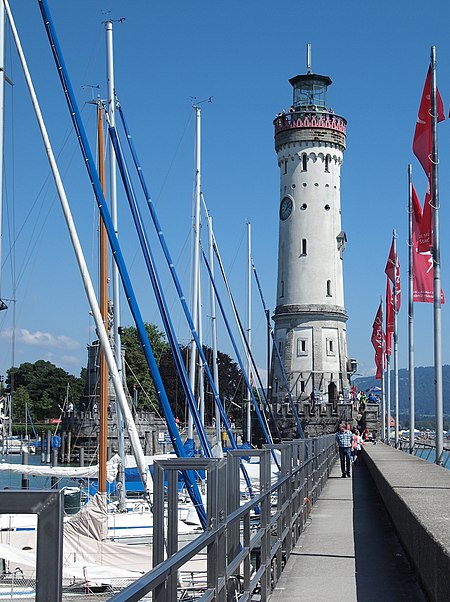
310 92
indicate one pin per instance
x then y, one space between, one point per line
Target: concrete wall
417 497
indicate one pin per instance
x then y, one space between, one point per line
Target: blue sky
242 54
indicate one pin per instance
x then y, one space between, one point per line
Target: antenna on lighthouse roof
308 58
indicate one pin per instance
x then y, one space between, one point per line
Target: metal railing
48 506
246 545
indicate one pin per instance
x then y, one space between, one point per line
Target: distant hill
423 389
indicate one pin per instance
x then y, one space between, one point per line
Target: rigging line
175 278
182 298
156 284
155 409
262 421
277 352
243 337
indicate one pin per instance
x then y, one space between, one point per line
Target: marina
169 470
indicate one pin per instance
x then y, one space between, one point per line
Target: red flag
423 271
392 271
425 239
422 143
377 341
389 318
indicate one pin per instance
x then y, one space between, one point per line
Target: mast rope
179 290
280 361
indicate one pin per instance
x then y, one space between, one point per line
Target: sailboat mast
195 260
89 289
2 110
103 388
115 270
249 329
213 325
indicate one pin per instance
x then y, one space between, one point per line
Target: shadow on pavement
383 572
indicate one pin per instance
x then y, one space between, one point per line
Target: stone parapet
416 494
310 126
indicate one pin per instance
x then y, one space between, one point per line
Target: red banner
392 271
377 341
389 318
422 143
423 271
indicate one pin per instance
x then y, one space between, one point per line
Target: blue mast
117 253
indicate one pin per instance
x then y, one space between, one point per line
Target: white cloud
40 339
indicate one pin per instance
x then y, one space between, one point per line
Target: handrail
245 550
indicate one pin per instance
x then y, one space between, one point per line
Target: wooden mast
103 387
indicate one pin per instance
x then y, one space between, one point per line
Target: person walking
344 438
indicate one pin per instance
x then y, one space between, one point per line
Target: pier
381 535
303 532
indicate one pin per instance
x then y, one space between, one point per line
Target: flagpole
388 398
383 398
437 268
411 318
395 341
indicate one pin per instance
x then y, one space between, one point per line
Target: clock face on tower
286 208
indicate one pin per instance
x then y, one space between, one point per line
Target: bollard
54 480
69 445
25 481
48 449
42 447
63 446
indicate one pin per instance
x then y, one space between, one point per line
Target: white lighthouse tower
310 318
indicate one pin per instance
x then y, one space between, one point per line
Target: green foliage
136 368
230 385
43 387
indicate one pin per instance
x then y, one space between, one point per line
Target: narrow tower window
329 288
330 347
302 347
285 166
304 162
304 247
327 163
282 288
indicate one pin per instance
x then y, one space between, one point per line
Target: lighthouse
310 317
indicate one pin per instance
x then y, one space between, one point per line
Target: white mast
89 288
115 270
249 329
195 260
213 323
2 110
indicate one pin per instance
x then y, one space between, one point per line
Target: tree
46 386
136 368
230 381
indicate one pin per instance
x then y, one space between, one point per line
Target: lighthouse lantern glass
310 92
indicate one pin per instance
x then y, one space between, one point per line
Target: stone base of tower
322 420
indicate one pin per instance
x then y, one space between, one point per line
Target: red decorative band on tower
312 119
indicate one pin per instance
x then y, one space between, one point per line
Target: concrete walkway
349 550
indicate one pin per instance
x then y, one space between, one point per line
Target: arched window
304 247
304 162
327 163
329 288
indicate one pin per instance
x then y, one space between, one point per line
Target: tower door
332 392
